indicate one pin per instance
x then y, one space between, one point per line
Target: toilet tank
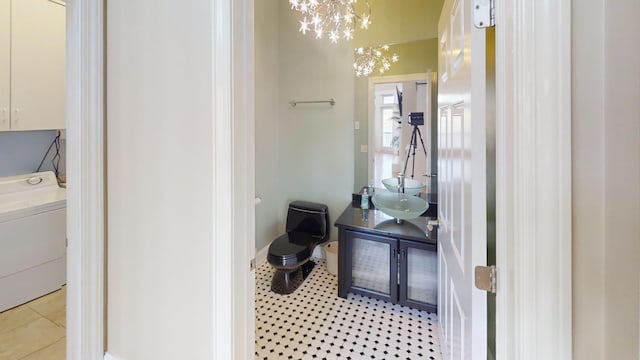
308 217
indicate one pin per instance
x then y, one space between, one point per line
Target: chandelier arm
353 10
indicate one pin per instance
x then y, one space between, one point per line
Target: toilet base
287 281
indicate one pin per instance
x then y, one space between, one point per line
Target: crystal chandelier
373 58
333 18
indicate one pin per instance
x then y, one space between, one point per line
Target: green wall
302 152
398 21
314 153
270 212
491 183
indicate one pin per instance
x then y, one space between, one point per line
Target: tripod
413 145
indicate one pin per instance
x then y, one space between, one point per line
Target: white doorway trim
533 171
234 176
533 178
86 174
234 224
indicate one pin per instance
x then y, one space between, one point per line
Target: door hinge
484 13
252 264
486 278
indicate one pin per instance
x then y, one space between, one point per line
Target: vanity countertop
378 223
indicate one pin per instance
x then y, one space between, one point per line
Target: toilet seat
291 249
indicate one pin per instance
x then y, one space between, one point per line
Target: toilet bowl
290 254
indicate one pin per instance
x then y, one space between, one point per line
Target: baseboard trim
108 356
318 252
261 255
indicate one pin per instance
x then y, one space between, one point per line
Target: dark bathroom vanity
382 259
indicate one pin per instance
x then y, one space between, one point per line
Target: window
387 126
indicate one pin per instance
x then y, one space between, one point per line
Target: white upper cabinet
32 65
5 63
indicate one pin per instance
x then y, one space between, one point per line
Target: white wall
622 176
302 153
160 180
606 179
588 179
22 151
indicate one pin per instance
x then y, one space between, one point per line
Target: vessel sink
411 186
400 206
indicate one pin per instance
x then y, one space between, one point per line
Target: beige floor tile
16 317
59 317
50 304
57 351
29 338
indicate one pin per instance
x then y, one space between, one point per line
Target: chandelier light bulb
333 17
365 22
304 26
334 36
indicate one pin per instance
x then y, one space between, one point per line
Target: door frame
234 179
533 173
533 210
233 152
86 207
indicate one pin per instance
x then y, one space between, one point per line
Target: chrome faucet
400 183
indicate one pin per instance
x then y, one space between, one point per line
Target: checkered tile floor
314 323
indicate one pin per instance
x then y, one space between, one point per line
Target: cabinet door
5 63
374 265
37 65
418 275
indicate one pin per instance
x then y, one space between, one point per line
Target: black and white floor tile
314 323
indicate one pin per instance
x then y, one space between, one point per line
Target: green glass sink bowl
411 186
400 206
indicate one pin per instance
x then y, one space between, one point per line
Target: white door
461 185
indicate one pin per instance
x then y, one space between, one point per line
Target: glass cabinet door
419 275
374 265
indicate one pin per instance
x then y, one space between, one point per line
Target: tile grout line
42 348
21 325
39 316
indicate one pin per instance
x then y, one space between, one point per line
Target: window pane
388 99
387 126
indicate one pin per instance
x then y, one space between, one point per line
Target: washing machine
33 237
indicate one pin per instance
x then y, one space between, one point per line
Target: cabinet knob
4 117
16 115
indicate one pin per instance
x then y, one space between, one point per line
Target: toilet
290 254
